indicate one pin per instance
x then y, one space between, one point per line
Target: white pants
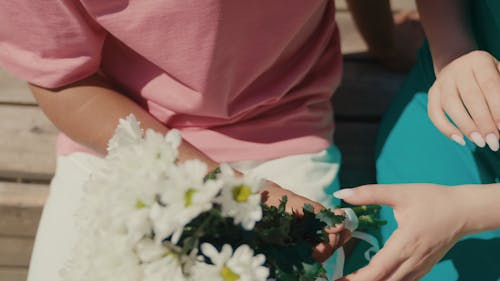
309 175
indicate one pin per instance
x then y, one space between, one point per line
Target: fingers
323 251
383 264
475 99
439 119
411 270
488 79
345 236
465 106
468 92
370 194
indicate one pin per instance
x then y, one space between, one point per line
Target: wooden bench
27 155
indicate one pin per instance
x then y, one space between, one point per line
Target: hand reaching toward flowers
272 194
430 218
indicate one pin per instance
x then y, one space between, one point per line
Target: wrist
464 206
477 204
443 58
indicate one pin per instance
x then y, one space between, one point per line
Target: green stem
370 221
199 232
366 209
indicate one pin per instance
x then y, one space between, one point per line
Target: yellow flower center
241 193
188 197
228 275
140 204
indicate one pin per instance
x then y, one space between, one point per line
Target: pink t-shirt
242 80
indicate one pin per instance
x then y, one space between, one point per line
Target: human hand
429 223
272 194
468 91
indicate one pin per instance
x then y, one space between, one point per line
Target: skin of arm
375 23
394 40
480 204
88 112
447 28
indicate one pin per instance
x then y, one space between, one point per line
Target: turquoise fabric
411 150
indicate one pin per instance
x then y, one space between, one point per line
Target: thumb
369 194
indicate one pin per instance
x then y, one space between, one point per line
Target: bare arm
392 39
447 28
480 206
375 23
88 112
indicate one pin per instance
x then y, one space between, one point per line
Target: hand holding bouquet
146 217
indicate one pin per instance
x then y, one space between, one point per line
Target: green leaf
212 175
282 206
294 262
329 218
275 225
308 208
313 270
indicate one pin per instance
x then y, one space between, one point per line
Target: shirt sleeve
49 43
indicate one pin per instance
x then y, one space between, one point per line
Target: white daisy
102 256
240 198
128 132
241 265
121 206
151 159
159 263
184 197
130 180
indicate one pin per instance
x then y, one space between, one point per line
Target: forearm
479 204
88 112
375 23
447 28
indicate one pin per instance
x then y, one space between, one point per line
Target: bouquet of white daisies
145 217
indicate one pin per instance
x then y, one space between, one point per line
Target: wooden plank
13 273
20 208
366 89
14 90
26 143
405 5
396 5
22 195
16 251
356 142
350 38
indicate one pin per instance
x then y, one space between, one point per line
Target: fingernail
492 142
343 193
458 139
477 139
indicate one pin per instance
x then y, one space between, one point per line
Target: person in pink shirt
246 82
